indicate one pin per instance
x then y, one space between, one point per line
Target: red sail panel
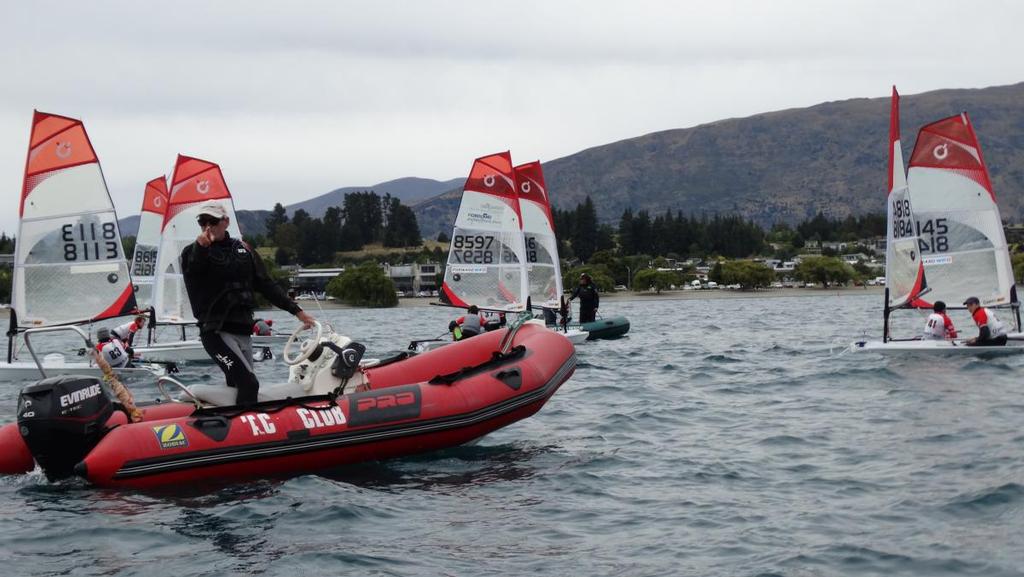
57 142
194 181
155 198
494 175
531 185
951 144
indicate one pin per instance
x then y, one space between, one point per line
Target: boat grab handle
160 385
61 328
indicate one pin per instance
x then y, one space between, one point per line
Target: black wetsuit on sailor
221 280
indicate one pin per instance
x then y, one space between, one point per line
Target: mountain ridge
777 166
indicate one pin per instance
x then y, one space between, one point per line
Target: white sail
486 259
194 184
543 267
904 272
147 241
69 264
957 218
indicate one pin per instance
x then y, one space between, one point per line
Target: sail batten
69 264
486 258
194 183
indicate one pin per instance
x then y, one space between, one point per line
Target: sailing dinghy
543 267
486 263
952 234
147 241
69 263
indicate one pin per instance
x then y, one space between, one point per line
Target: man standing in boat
221 274
991 332
589 299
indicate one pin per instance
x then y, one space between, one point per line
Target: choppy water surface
720 438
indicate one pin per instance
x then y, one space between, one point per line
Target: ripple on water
994 501
701 448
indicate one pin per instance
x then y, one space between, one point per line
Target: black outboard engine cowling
61 419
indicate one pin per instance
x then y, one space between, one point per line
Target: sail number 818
931 235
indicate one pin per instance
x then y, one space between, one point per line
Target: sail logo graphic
525 188
63 149
203 187
170 436
157 201
941 151
479 217
489 180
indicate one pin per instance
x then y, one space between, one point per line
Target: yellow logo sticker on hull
170 436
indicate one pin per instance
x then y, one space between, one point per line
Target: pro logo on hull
384 406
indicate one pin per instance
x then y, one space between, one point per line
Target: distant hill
409 190
250 222
780 166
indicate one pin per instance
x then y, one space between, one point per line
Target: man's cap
103 334
213 209
939 306
972 301
270 322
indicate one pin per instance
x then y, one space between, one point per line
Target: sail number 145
931 235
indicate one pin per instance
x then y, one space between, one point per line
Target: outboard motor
61 419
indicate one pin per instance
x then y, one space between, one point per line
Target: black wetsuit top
220 280
587 293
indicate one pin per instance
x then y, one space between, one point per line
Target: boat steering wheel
305 348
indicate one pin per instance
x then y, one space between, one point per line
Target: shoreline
631 296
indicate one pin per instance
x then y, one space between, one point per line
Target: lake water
721 437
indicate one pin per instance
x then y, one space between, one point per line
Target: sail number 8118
91 241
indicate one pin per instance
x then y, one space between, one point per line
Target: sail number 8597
473 249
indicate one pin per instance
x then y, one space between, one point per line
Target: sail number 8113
91 241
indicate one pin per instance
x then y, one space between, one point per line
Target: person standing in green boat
589 299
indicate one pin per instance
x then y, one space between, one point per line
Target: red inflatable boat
439 399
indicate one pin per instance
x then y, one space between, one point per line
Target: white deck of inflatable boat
941 348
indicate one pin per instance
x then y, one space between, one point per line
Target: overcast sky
294 98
